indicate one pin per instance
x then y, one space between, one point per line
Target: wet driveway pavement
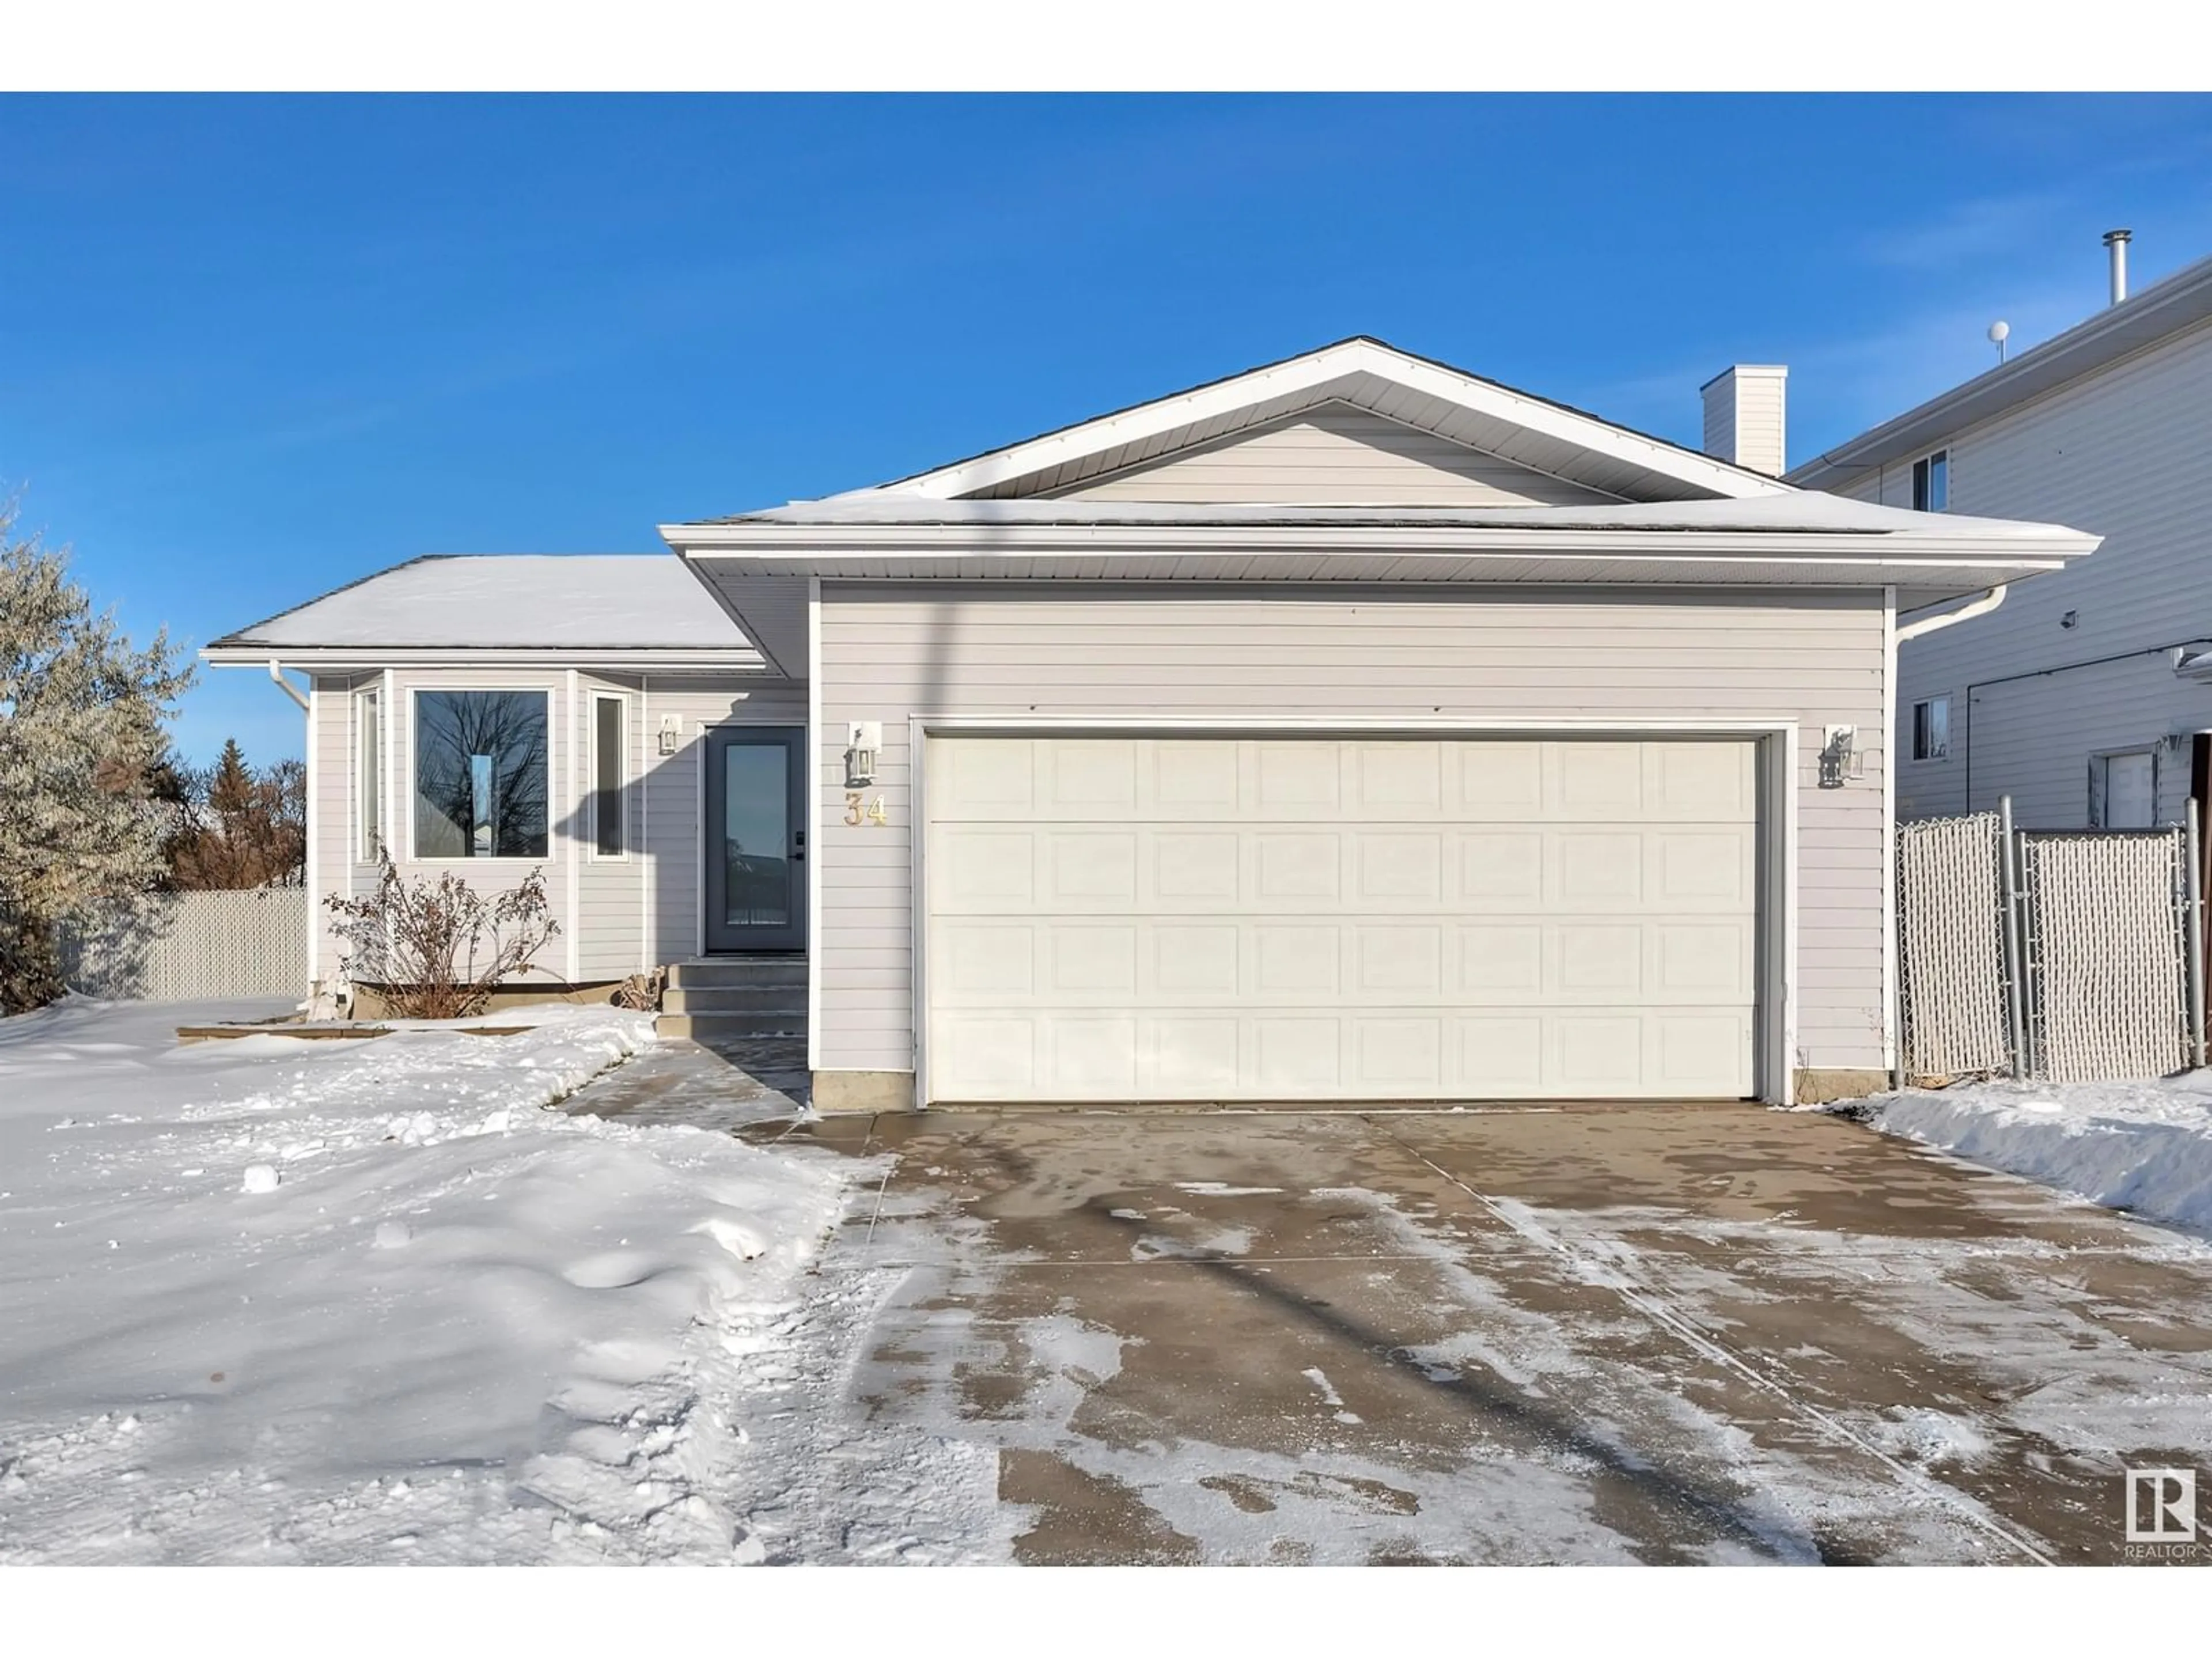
1645 1334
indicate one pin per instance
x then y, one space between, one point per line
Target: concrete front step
713 1028
789 999
732 973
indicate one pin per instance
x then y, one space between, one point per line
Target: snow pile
273 1299
2145 1147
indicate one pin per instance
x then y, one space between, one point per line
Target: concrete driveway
1651 1334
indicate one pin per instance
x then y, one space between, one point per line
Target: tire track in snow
1775 1381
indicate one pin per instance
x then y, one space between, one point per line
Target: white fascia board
756 541
1937 580
661 659
1310 374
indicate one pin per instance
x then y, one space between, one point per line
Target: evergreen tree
81 738
230 792
231 826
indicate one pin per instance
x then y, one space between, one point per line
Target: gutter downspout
276 673
1990 600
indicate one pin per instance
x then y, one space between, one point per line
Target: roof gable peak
1367 373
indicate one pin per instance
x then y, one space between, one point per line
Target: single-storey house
1354 728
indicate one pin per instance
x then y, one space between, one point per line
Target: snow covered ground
280 1300
2143 1147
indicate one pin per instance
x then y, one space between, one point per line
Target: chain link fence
2107 953
2063 956
249 943
1950 945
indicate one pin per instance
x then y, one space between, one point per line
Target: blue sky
253 349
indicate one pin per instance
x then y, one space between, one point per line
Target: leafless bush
642 990
439 949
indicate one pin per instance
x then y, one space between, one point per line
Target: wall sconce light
2069 619
672 733
1841 758
864 741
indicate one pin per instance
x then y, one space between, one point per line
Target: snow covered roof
1027 511
627 606
1792 538
1795 511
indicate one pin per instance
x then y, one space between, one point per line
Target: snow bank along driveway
2146 1147
281 1300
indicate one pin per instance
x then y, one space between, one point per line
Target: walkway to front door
755 840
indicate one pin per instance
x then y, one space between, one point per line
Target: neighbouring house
1354 728
2085 698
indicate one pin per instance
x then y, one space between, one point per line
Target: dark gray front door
755 840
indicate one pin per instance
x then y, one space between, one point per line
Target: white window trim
1912 738
415 856
368 793
595 697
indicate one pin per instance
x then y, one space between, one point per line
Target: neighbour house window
1931 483
480 774
610 719
369 741
1931 729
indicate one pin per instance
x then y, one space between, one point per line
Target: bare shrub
437 950
642 991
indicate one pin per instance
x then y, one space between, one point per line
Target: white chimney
1744 417
2117 242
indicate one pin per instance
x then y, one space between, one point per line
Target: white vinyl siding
2032 739
1285 918
669 795
2118 453
331 785
1746 416
1478 656
1338 453
620 914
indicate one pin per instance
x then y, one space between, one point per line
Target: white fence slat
2107 953
1951 946
247 943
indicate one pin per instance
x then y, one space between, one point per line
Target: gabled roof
1675 517
618 607
1367 373
2181 301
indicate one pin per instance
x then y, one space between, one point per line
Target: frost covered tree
81 712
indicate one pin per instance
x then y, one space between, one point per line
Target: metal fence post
2015 953
2195 976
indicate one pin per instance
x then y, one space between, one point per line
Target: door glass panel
755 826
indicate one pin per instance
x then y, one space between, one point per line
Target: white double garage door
1159 918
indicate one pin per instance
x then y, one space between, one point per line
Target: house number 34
871 813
